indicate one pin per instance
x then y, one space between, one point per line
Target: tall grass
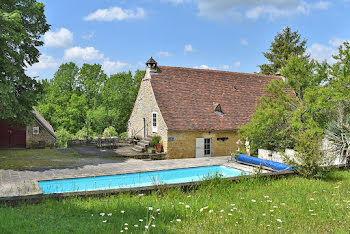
290 205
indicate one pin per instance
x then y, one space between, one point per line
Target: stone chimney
151 66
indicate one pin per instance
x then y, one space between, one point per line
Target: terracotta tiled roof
187 97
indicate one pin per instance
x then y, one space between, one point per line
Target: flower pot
158 148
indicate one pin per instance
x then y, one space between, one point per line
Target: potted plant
155 142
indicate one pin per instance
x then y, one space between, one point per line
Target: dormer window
218 110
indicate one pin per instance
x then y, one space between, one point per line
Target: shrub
124 135
62 138
309 160
82 134
155 140
110 132
338 133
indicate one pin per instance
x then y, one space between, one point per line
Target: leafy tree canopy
286 44
22 23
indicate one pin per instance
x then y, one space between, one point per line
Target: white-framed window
154 122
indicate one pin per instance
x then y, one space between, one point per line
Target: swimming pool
134 180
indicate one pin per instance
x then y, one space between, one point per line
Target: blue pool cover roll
267 163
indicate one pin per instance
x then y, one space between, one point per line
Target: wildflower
271 210
336 187
150 208
221 211
92 214
231 209
211 211
121 231
153 225
233 204
242 198
141 220
334 194
312 199
230 214
268 225
206 207
313 214
122 211
268 200
181 203
278 227
109 214
104 221
126 224
311 210
266 196
283 204
187 206
126 228
141 194
253 200
275 207
158 210
102 214
263 214
178 220
146 227
279 220
153 217
201 210
135 225
189 196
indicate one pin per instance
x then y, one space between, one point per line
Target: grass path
288 205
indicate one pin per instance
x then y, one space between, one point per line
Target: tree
22 24
297 105
286 44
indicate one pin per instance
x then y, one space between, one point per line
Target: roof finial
151 64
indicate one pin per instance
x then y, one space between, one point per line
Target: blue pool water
141 179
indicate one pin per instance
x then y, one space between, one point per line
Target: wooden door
4 134
199 147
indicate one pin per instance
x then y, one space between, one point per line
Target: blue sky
222 34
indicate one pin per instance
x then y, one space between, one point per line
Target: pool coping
144 189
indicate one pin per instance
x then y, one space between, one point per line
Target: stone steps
142 145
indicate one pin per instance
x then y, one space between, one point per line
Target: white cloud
116 13
46 63
244 42
188 48
272 11
85 54
114 66
237 64
337 42
61 38
88 36
226 67
321 52
164 53
203 66
254 9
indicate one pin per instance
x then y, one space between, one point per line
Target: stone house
195 111
38 134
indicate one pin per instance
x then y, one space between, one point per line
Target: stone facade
42 139
183 143
144 106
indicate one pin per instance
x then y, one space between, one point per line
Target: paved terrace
25 182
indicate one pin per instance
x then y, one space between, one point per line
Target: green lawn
287 205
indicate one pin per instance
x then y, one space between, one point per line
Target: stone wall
43 139
183 144
144 105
